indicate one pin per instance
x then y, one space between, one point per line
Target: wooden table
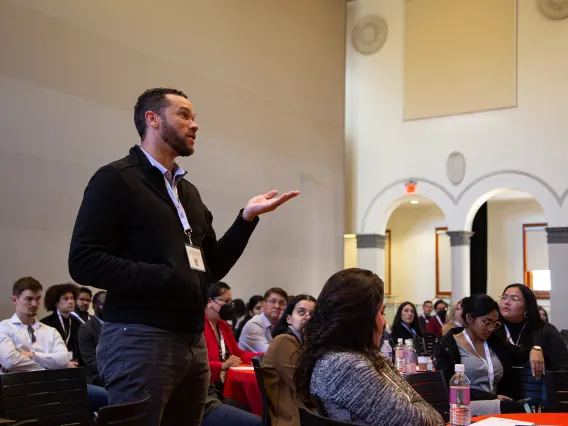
241 386
537 418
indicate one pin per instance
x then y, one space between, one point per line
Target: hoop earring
526 314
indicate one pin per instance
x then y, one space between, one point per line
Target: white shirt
49 348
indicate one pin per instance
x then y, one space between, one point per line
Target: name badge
195 258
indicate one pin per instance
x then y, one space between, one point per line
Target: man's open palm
266 203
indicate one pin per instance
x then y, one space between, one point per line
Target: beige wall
266 79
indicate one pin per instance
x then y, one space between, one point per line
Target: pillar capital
371 241
557 235
460 238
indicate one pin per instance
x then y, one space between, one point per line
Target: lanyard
220 342
488 361
440 321
426 319
411 331
67 333
510 339
173 192
76 315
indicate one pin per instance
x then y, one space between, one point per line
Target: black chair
529 386
257 363
557 391
123 415
429 340
318 405
53 397
565 335
307 418
433 388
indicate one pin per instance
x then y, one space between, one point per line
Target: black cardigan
399 331
73 345
128 240
447 355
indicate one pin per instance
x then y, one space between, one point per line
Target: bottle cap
409 342
460 368
400 340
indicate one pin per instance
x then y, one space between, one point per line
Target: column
371 253
558 265
460 243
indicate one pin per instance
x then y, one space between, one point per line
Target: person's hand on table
233 361
537 363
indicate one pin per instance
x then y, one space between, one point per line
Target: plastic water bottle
386 350
399 350
410 357
460 413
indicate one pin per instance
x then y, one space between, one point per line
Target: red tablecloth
539 419
241 386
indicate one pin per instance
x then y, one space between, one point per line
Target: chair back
529 386
257 363
557 391
53 397
565 335
307 418
429 341
432 387
131 414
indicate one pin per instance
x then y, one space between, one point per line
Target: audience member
60 299
454 319
427 308
257 333
543 314
240 312
340 362
254 307
436 323
280 360
406 324
89 339
222 348
83 303
217 413
29 345
523 327
487 359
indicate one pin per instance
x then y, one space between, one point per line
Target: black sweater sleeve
93 258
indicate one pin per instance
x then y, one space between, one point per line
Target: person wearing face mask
406 324
523 327
279 362
222 348
436 323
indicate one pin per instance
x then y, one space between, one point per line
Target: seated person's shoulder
343 361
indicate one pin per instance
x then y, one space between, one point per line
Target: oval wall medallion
554 9
370 34
456 167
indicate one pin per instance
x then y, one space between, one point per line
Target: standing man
89 335
427 308
144 234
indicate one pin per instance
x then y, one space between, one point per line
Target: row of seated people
329 349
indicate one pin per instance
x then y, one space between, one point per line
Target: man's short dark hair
54 293
438 302
426 301
26 283
97 295
85 290
152 100
216 289
276 290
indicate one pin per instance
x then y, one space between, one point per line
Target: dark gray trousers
138 360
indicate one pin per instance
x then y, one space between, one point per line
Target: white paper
243 368
497 421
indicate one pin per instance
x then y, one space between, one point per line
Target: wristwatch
536 348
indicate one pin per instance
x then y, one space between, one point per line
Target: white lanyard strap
426 320
510 339
411 331
488 361
221 341
67 335
177 203
439 320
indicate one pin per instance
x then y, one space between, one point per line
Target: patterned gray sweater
352 390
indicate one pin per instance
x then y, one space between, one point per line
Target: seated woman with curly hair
340 362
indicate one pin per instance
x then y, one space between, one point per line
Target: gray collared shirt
256 334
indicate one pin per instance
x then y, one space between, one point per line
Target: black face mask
227 312
442 315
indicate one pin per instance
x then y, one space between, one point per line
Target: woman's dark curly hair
54 293
415 322
343 320
281 326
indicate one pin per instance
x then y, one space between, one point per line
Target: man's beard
174 140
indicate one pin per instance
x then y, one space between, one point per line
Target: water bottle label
461 393
399 353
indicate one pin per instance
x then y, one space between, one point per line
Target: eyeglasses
280 303
490 325
506 297
31 334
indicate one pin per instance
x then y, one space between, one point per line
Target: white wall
266 79
505 221
413 252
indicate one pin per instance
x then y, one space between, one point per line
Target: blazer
434 326
73 344
128 239
278 367
213 347
89 335
399 331
447 355
423 322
